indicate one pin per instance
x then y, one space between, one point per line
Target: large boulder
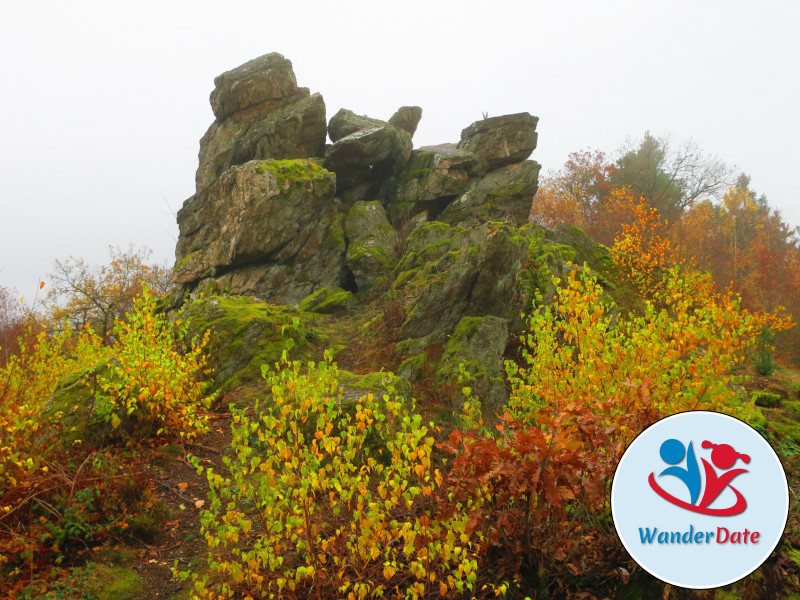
261 114
268 80
505 194
345 122
267 228
313 260
371 242
435 172
500 141
246 334
368 155
447 273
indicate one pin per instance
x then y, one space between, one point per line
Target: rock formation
279 215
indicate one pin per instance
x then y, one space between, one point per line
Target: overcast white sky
103 103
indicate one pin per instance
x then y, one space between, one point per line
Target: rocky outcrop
280 216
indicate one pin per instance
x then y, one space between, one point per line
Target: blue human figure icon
672 453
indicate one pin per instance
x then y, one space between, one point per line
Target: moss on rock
328 300
292 170
412 368
477 345
766 399
372 242
596 255
246 334
380 382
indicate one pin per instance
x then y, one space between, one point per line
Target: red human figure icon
724 457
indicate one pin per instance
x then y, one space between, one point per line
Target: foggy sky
103 103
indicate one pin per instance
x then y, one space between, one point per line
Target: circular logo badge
700 499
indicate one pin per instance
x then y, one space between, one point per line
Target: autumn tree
575 193
98 294
11 322
745 244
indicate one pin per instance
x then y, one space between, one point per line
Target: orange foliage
576 193
642 251
748 247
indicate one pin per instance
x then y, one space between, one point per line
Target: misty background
102 104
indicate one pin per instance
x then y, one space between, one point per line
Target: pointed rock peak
267 79
407 118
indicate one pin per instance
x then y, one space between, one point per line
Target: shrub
59 493
154 377
324 498
590 379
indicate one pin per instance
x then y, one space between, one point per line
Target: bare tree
97 295
12 321
702 176
672 178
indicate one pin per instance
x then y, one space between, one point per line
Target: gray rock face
294 131
505 194
368 154
261 114
500 141
449 272
435 172
478 343
371 242
263 228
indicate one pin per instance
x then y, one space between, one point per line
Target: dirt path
183 491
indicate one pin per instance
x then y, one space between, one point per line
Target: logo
723 457
699 500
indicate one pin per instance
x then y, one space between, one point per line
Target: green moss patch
93 582
328 300
766 399
289 171
246 334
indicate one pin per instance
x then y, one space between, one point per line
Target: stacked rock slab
279 215
260 113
